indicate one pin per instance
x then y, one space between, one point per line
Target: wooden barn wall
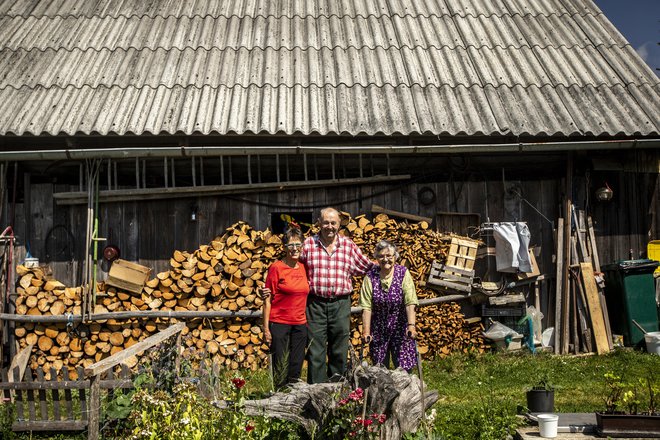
148 232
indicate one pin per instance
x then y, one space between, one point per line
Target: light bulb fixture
604 193
193 213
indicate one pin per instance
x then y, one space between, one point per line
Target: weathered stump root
394 393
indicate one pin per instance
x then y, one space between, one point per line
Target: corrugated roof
446 67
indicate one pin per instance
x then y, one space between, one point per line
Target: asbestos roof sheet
444 67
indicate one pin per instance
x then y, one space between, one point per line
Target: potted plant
541 397
631 408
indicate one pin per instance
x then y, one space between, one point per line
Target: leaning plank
18 364
416 218
120 357
595 310
559 283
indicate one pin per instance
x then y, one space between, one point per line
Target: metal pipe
145 152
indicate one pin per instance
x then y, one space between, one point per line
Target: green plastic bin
630 294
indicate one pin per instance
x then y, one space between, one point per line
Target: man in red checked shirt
330 260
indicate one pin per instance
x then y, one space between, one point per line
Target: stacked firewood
442 328
226 274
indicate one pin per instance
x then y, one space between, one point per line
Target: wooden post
559 283
94 407
565 288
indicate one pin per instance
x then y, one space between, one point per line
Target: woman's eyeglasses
292 246
385 257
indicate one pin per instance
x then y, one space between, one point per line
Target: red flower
358 421
343 402
352 433
249 427
368 422
356 395
238 382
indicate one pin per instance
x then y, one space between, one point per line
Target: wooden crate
458 271
462 253
128 276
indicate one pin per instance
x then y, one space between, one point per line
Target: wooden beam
180 315
116 359
416 218
595 309
125 195
592 241
559 283
565 288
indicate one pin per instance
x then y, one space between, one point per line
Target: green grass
578 380
479 391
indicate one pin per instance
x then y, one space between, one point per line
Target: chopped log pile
223 275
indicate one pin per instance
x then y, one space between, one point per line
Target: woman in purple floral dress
388 301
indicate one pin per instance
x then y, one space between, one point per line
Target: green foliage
7 416
491 418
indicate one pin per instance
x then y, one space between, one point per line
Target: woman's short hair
384 244
293 232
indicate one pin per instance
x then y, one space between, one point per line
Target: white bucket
548 425
652 342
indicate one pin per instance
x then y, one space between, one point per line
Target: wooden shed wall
149 231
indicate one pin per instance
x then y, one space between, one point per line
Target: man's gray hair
327 210
384 244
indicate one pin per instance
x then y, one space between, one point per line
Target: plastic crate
510 310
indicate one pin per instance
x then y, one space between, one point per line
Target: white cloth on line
512 247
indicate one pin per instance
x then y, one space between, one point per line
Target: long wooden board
595 310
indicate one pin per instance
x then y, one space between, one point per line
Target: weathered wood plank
55 396
118 358
19 363
43 404
94 408
595 310
68 398
416 218
30 395
82 397
559 284
62 425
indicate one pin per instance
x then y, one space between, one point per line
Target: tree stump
394 393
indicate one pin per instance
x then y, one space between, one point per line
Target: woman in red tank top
285 323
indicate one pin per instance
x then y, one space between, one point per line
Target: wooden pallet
462 253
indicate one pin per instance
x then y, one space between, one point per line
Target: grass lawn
479 395
579 382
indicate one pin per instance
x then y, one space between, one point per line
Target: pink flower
238 382
356 395
352 433
343 402
381 418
